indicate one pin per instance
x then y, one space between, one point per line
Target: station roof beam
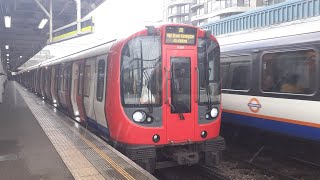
24 37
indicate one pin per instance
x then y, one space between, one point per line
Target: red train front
163 96
155 95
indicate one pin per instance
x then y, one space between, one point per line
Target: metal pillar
78 2
51 26
49 16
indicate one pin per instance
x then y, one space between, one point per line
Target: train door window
80 79
43 79
289 72
65 80
100 80
60 84
87 80
236 72
68 78
180 85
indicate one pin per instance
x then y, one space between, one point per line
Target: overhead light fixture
42 23
7 55
7 21
20 56
7 46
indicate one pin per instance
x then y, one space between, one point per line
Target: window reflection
289 72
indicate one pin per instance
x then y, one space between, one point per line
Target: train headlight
204 134
214 112
139 116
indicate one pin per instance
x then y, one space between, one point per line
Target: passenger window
236 72
87 80
224 72
100 80
289 72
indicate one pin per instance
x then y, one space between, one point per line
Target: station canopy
21 33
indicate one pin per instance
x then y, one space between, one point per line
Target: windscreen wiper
207 77
149 104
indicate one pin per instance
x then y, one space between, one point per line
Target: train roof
94 50
298 32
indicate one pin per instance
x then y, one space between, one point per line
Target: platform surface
39 142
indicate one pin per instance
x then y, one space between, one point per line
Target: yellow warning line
108 159
103 155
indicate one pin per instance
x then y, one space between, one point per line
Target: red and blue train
155 94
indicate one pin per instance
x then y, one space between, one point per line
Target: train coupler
186 158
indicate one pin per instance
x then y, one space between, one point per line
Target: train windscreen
141 71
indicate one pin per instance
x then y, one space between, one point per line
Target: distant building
177 11
198 12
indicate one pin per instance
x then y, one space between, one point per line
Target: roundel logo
254 105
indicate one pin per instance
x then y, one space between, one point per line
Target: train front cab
171 93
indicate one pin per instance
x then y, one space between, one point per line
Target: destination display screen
180 35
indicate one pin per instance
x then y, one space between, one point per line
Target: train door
99 99
48 84
61 86
45 74
43 82
88 90
180 90
53 86
67 90
79 92
74 88
34 81
38 91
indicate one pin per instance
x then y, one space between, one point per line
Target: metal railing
276 14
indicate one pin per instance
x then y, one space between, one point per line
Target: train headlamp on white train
144 93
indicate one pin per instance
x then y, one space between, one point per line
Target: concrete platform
39 142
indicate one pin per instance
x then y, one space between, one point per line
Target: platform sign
70 31
180 35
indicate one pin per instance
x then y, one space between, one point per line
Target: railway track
277 165
190 173
212 173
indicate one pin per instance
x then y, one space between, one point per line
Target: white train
270 79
